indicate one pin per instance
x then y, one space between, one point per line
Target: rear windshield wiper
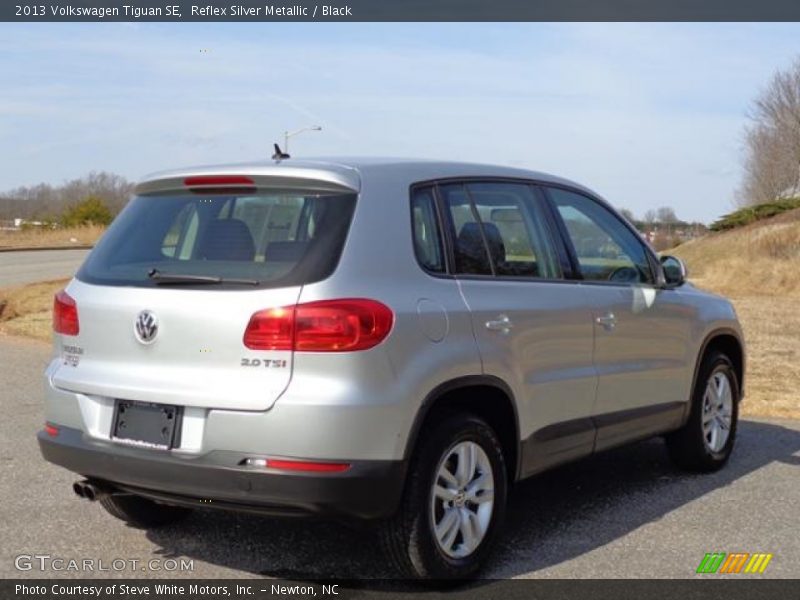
163 278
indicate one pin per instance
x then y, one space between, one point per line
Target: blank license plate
146 424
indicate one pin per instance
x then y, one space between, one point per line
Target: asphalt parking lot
625 513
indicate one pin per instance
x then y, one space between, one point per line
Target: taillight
220 184
271 329
213 180
65 314
345 325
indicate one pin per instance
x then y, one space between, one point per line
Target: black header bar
746 587
398 10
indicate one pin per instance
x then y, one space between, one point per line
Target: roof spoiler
276 178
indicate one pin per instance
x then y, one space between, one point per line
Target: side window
606 249
468 247
427 237
509 222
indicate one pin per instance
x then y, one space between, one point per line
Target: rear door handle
502 324
608 321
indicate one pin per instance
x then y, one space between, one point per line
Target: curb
41 248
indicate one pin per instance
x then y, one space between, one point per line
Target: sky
647 115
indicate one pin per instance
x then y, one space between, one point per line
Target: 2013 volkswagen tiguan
383 339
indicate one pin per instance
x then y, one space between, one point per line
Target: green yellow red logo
736 562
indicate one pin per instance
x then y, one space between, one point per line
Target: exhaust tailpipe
77 487
87 490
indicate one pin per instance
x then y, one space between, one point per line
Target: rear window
269 239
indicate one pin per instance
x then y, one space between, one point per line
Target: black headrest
471 243
227 239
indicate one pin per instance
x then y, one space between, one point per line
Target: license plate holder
146 424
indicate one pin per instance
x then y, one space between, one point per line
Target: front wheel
453 503
706 441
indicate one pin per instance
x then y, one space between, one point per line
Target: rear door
533 327
165 298
641 332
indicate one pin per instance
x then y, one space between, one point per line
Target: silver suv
390 340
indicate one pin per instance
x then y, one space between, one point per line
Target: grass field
61 237
27 310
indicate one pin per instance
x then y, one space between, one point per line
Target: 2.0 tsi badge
146 327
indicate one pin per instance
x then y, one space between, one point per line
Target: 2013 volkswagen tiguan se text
383 339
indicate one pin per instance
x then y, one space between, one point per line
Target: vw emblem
146 327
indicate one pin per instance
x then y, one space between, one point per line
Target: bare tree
768 167
627 214
772 141
650 216
666 214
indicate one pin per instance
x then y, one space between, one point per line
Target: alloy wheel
462 499
717 411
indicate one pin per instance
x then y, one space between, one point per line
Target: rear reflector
217 180
298 465
50 430
347 325
65 314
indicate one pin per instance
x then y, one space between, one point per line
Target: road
625 513
28 266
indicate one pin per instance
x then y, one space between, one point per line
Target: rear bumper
368 489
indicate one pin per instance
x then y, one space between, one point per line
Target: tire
693 447
409 538
141 512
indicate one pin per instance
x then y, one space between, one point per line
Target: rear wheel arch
484 396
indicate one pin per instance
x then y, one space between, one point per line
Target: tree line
663 228
96 197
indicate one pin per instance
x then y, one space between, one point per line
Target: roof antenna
279 154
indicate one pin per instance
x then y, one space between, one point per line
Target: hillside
757 266
761 258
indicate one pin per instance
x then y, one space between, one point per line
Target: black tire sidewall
714 364
428 557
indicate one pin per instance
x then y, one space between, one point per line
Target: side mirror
675 272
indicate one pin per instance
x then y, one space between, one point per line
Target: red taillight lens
51 430
307 466
327 326
341 325
220 184
65 314
213 180
271 329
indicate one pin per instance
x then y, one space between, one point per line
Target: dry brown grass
86 235
27 310
758 267
762 258
772 335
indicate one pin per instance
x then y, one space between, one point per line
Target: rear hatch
164 299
